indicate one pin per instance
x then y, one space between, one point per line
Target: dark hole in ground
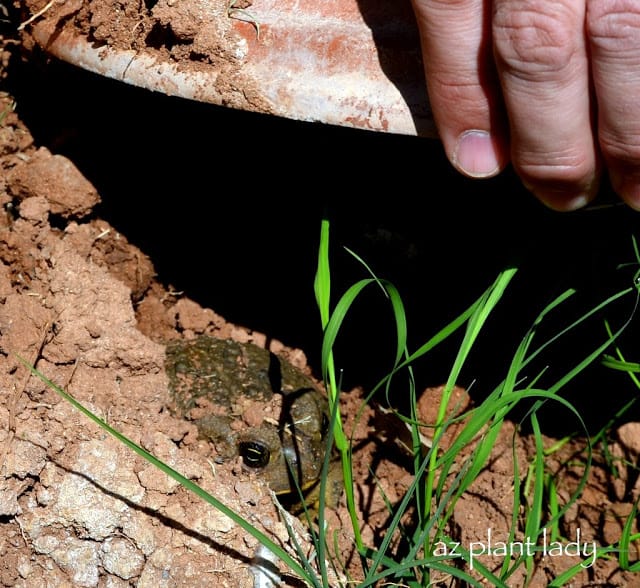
228 206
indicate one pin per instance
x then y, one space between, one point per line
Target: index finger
463 88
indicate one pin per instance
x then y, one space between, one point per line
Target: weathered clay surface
340 62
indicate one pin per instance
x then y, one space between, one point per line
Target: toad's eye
324 428
254 455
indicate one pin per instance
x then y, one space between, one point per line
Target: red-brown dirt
90 310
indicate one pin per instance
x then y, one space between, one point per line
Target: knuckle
559 169
623 148
539 38
461 89
454 85
613 25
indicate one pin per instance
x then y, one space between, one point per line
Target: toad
253 404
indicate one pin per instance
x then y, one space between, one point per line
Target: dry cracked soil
130 219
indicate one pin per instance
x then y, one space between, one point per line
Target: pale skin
550 86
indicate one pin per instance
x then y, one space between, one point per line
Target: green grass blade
477 319
293 565
322 281
621 365
534 511
625 538
565 578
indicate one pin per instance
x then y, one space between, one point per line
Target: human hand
553 86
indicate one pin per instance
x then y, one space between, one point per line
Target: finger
462 85
542 62
613 30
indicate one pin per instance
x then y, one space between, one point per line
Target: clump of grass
439 479
436 487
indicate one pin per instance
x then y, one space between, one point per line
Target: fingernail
571 204
560 201
628 187
475 154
